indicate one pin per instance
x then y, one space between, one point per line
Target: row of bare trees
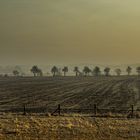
85 72
56 71
36 71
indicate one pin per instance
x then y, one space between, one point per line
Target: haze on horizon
69 31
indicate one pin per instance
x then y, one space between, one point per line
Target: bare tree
96 71
76 70
129 70
54 70
34 70
86 70
118 72
15 73
138 70
107 71
65 70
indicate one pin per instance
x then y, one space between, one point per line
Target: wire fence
128 112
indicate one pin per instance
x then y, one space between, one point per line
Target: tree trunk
53 74
64 73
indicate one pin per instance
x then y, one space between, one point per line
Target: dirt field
19 127
71 92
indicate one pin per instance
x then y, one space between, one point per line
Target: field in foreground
71 92
14 127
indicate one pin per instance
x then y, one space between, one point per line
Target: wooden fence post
24 109
95 109
59 109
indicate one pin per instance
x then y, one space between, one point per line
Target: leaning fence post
59 109
24 109
95 109
132 110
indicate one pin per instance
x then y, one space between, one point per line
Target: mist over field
47 68
69 31
8 69
70 69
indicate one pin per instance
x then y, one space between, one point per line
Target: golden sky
69 31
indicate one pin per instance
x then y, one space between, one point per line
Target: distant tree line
85 72
36 71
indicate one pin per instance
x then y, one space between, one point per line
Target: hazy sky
69 31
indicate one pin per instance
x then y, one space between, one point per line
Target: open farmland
67 128
71 92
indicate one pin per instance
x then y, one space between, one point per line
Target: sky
69 31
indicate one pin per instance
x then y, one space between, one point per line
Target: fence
59 110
